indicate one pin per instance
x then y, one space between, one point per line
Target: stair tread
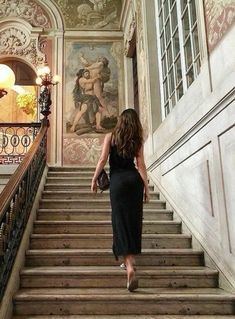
125 317
92 199
100 222
98 209
147 294
70 167
176 251
82 192
105 236
114 270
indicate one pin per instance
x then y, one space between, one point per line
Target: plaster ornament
129 35
28 10
17 43
12 40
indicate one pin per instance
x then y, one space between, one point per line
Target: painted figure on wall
91 14
86 101
92 97
94 93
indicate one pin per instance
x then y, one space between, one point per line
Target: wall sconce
7 79
45 80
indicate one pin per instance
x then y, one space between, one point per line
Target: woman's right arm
143 172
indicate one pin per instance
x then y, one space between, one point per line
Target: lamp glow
7 77
45 80
46 70
38 81
56 78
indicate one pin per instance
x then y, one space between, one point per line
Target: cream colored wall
191 155
10 111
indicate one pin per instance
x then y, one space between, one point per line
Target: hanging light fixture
7 79
45 80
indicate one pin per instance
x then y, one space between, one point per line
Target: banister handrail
33 124
16 201
10 188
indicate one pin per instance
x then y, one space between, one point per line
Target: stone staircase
70 271
6 171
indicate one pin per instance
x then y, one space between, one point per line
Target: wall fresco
91 101
220 16
91 14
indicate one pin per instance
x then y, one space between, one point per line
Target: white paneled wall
193 161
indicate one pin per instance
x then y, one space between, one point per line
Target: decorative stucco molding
13 40
19 41
129 35
28 10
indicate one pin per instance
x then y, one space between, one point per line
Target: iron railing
16 201
16 140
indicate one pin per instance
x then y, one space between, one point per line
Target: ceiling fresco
91 14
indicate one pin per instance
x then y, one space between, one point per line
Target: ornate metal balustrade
16 201
15 141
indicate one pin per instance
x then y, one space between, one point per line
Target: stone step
125 317
71 194
100 227
115 277
63 182
109 301
97 214
85 186
104 257
78 174
92 203
70 180
94 241
72 169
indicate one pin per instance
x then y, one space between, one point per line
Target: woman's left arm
102 161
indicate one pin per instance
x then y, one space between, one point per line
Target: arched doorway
20 104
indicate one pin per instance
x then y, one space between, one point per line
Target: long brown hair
128 134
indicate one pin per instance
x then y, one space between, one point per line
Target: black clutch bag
103 181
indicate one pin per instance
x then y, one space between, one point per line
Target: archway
20 104
32 32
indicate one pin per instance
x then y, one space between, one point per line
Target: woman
128 186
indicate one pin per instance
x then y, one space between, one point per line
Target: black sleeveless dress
126 195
